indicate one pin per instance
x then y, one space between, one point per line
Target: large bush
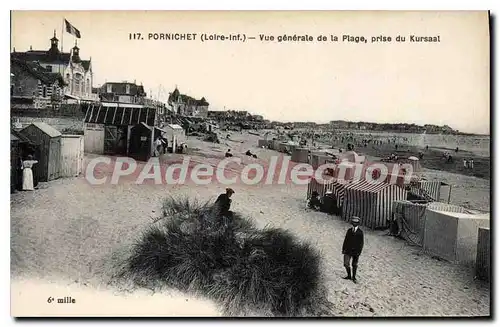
268 272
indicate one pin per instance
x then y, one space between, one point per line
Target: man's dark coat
353 242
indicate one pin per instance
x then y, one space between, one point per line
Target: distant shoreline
403 132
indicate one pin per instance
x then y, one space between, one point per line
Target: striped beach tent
429 188
433 188
371 202
314 185
337 187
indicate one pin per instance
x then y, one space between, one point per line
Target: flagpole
62 56
62 36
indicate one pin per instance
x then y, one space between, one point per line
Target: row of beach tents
443 230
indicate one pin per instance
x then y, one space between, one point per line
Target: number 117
134 36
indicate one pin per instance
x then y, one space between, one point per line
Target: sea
477 144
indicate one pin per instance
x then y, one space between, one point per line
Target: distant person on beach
158 145
164 142
471 164
466 163
456 150
228 153
314 202
352 248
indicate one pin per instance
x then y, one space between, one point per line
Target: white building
77 73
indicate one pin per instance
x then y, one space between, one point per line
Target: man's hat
229 190
355 219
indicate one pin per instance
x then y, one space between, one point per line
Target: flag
71 29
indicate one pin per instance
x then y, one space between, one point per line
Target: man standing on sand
352 247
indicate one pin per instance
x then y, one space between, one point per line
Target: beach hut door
110 139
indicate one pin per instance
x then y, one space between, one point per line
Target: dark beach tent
14 162
20 147
49 156
141 142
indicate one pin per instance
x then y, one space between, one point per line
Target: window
49 68
127 89
78 83
109 89
11 90
44 91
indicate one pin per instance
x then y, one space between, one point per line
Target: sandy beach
71 231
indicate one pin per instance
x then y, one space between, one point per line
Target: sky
423 83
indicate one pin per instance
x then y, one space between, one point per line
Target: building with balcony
123 92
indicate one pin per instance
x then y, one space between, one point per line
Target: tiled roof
47 129
121 88
37 71
108 115
21 137
48 57
43 56
174 96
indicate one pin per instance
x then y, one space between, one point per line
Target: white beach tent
453 235
351 156
412 217
175 135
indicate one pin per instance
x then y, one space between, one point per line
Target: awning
116 115
71 97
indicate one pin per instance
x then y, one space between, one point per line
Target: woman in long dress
28 173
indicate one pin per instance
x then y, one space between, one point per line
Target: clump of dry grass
242 268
